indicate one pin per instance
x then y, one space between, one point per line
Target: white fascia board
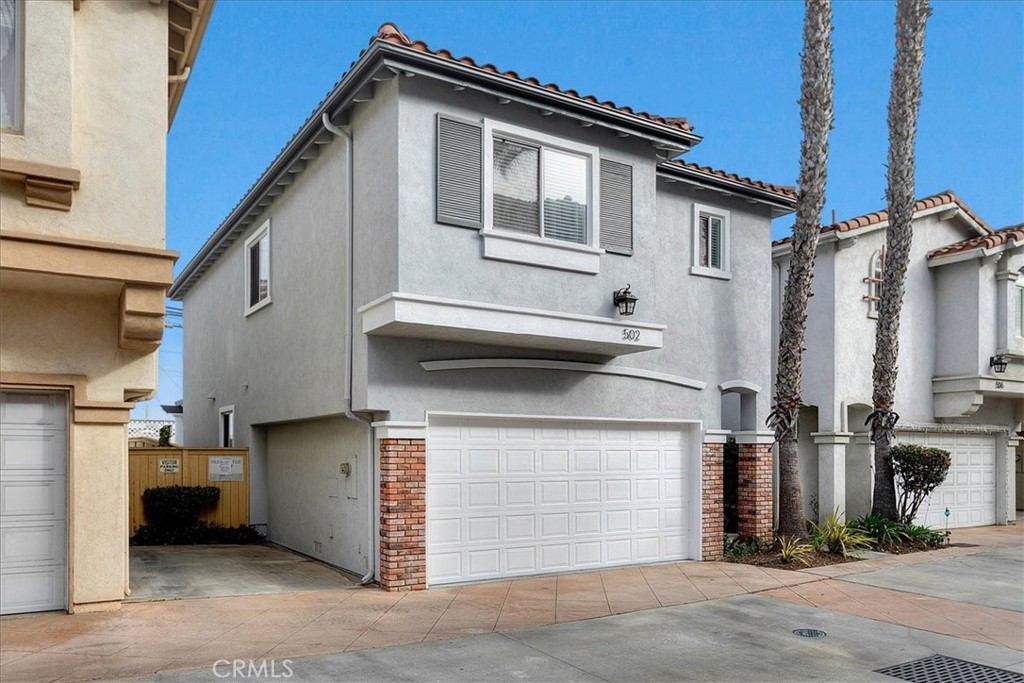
426 317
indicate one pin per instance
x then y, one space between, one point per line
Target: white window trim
264 229
230 411
874 287
725 272
17 126
1017 336
504 245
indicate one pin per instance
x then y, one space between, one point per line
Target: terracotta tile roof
946 197
389 33
784 190
1011 233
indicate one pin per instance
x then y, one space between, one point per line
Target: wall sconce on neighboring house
624 300
212 396
998 363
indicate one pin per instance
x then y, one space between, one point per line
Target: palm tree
816 122
904 103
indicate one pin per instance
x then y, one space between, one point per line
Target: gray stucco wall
709 337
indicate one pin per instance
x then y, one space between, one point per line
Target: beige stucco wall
95 100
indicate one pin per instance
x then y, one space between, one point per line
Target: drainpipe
371 492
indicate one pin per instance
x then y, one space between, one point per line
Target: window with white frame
876 269
257 269
10 64
710 242
227 427
1018 306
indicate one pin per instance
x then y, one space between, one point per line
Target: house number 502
630 334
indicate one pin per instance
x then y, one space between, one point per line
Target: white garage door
512 497
33 502
970 487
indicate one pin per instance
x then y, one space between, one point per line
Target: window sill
716 273
535 251
252 309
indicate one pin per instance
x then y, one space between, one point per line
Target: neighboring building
146 432
85 106
433 380
962 307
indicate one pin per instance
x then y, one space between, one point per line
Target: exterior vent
942 669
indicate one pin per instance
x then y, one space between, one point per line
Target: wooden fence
152 467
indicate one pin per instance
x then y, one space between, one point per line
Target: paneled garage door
970 487
33 502
510 497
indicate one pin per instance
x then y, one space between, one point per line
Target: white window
540 192
257 269
227 427
876 269
710 242
10 64
1018 308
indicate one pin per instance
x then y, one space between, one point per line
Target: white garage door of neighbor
33 502
509 497
970 487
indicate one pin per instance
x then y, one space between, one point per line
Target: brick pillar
712 502
403 540
755 488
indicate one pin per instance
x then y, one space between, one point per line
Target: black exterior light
998 363
624 300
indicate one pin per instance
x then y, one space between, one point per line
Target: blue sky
732 68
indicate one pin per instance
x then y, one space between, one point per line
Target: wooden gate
152 467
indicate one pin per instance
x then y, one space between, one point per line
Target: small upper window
876 269
710 242
10 67
227 427
1019 308
257 269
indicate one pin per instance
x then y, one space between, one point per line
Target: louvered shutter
616 207
715 242
459 172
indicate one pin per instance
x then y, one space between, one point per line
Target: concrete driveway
206 571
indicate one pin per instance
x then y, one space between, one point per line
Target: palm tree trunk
816 122
904 103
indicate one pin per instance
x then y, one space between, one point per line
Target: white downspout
371 492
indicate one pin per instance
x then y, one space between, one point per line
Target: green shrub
199 534
169 507
924 536
834 536
884 532
737 547
794 550
918 470
165 436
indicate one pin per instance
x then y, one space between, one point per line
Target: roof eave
193 40
779 203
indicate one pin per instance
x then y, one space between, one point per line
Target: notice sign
169 465
225 468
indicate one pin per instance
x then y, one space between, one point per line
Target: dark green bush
165 436
199 534
178 506
885 533
736 547
924 536
919 470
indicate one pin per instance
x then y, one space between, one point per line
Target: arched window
874 280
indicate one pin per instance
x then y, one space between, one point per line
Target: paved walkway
145 638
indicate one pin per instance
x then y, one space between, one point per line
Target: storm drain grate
942 669
809 633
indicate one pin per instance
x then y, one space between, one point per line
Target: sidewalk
145 638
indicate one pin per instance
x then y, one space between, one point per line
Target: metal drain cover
809 633
942 669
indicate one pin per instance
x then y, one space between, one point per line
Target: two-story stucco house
961 321
412 320
87 92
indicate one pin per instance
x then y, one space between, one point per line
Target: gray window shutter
616 207
460 172
715 243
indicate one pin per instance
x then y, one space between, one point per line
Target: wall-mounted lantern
998 363
624 300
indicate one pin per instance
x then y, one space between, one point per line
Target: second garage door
512 497
970 487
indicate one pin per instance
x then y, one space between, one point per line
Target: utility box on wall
225 468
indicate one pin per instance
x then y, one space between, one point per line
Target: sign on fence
169 465
225 468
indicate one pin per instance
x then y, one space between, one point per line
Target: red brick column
712 502
403 538
755 491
